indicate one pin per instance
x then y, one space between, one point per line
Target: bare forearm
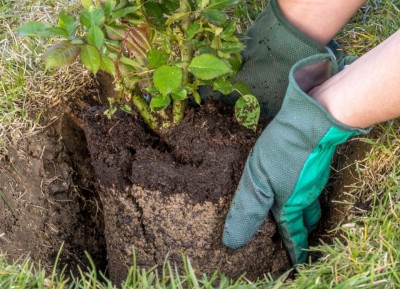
368 91
319 19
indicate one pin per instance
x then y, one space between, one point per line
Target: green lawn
364 255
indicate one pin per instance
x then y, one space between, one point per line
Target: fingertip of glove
230 241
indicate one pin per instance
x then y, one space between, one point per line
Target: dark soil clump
203 157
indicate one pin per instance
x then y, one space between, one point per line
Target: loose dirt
53 205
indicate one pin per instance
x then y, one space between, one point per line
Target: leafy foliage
165 49
208 66
247 111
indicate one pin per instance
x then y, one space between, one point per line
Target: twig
2 196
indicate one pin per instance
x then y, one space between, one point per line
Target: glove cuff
305 75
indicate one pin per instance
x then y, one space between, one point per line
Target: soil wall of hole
51 201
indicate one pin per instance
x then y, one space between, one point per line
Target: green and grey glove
290 164
273 46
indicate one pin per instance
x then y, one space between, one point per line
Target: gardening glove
273 45
289 164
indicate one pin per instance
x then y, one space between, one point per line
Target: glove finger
294 234
311 215
249 208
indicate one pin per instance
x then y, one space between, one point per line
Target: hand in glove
290 164
273 46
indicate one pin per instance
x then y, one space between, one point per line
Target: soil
171 196
54 207
114 189
203 156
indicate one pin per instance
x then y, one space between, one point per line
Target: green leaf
202 3
216 42
97 16
67 22
175 17
123 12
126 108
160 102
247 111
170 5
56 31
193 29
202 45
224 86
208 66
242 88
222 4
235 60
231 47
110 112
107 65
96 36
112 46
93 17
35 28
130 62
60 54
197 97
214 15
229 29
152 90
156 58
91 58
108 7
86 4
167 79
77 41
85 19
121 4
155 12
115 32
179 94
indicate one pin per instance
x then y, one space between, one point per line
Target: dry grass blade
26 91
8 204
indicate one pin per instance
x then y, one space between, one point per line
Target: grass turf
365 252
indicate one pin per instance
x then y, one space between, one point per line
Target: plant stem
144 110
178 110
179 106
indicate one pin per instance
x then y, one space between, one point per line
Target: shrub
159 53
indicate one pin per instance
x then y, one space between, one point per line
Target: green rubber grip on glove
289 164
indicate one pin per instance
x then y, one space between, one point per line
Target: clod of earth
170 197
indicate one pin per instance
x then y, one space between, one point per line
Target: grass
22 274
365 252
25 89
